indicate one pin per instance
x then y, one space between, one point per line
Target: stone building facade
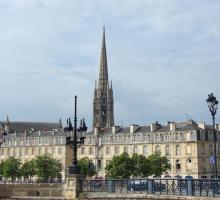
26 140
188 146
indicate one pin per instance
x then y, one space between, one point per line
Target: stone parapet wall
30 190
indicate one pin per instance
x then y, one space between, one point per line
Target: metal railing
166 186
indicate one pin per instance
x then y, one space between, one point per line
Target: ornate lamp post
3 135
72 140
213 106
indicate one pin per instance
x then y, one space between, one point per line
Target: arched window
107 150
59 150
52 150
26 151
167 150
157 149
145 150
189 164
39 151
14 152
116 150
167 137
177 149
177 136
46 150
82 150
125 149
188 149
135 150
8 152
90 150
178 165
32 151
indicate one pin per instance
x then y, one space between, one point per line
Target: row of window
32 151
147 137
145 149
35 141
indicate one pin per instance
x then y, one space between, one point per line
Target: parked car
137 185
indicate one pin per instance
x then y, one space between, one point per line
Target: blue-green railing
168 186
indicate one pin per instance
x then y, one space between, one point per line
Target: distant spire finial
103 28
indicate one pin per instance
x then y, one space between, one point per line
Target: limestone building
187 145
103 104
26 140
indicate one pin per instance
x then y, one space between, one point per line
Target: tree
11 168
142 167
47 168
159 164
86 167
1 169
28 169
120 167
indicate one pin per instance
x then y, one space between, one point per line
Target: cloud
163 58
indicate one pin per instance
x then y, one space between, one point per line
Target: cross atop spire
103 70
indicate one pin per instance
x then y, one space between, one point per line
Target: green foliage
120 167
86 167
11 168
159 164
142 167
28 169
1 168
47 168
123 166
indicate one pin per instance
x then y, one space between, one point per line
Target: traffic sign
212 159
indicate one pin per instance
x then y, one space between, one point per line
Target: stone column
73 186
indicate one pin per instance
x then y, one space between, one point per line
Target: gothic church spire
103 114
103 68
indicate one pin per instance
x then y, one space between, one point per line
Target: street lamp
213 106
72 140
3 135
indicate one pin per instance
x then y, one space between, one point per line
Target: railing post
110 186
150 186
189 187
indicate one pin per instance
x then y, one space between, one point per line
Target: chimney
115 129
96 131
133 128
152 127
201 125
25 133
172 126
39 133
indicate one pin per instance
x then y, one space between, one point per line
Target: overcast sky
163 58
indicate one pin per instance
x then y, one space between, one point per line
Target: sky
163 58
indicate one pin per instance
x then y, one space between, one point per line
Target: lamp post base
73 170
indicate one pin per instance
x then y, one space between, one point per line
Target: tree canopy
120 167
123 166
11 168
47 168
159 164
28 169
86 167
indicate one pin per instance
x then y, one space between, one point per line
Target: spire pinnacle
103 71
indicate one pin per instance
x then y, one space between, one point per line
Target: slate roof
180 126
20 127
